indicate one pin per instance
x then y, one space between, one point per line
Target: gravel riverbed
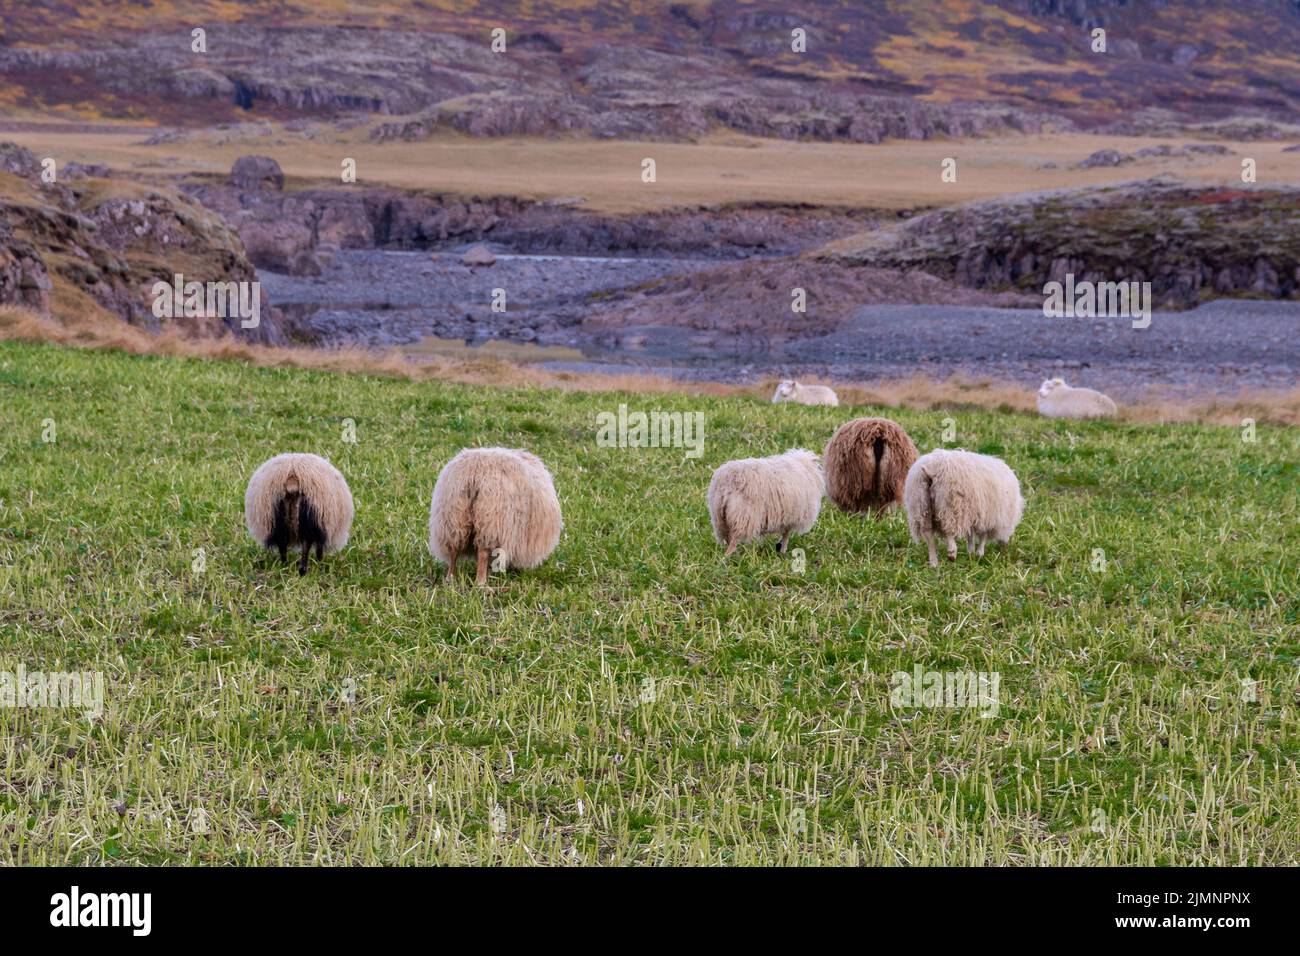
386 299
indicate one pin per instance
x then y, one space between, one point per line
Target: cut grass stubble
634 699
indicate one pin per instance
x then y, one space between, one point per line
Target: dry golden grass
720 169
916 392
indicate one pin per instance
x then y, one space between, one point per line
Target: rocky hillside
289 231
90 245
624 68
1191 243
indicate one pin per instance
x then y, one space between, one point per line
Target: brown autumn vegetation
916 392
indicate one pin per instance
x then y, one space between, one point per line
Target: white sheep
497 503
1058 400
752 497
959 494
301 501
792 391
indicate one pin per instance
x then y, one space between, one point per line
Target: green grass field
635 699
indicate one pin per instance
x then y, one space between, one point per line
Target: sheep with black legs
1058 400
792 391
752 497
960 494
298 501
866 464
494 503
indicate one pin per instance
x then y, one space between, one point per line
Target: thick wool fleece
756 496
866 465
792 391
959 494
1058 400
498 500
319 491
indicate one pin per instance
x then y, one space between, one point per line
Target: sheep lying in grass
791 391
298 501
1058 400
752 497
959 494
866 464
497 503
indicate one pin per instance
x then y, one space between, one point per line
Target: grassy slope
1121 690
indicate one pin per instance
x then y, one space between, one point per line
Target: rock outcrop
256 172
95 244
1190 242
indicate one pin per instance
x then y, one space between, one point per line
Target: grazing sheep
791 391
298 501
1058 400
756 496
959 494
494 502
866 464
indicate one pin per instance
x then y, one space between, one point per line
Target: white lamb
959 494
1058 400
752 497
791 391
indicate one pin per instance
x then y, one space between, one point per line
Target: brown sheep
866 464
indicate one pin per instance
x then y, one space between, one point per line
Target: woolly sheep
752 497
298 501
494 502
866 464
791 391
959 494
1058 400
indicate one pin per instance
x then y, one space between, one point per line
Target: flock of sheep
870 465
499 506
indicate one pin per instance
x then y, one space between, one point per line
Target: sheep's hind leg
952 548
481 577
970 543
731 547
929 543
783 545
302 562
983 541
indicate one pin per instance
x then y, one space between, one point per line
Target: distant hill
623 68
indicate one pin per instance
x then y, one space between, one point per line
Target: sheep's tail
878 450
721 530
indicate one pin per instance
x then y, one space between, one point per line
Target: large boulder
479 255
280 246
256 172
18 160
